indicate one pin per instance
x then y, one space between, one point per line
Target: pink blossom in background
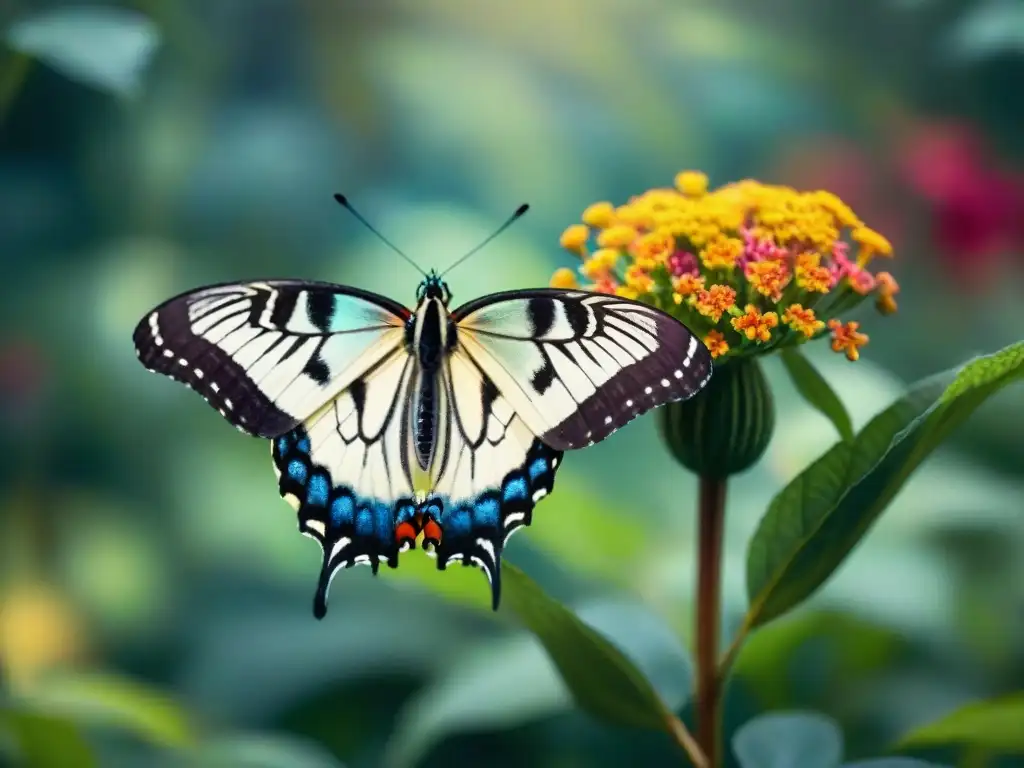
977 206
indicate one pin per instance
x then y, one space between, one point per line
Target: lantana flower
751 268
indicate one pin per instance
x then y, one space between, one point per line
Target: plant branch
681 736
710 524
729 657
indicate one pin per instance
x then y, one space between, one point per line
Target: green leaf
788 740
988 29
260 750
602 680
815 521
46 741
855 648
511 680
817 391
105 700
994 724
893 762
106 48
580 530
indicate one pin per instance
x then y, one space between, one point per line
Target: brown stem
686 742
710 522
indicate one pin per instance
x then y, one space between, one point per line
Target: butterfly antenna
344 203
511 220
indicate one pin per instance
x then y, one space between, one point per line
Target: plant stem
677 730
711 524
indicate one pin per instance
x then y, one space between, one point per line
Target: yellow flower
722 252
768 277
599 215
871 244
600 263
687 285
574 239
653 248
619 236
756 325
564 278
802 320
887 290
846 338
715 301
692 183
716 344
810 276
638 280
779 251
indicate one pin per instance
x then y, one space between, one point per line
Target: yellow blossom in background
40 630
750 267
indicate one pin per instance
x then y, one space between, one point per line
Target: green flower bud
725 429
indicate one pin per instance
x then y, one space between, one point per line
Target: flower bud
725 429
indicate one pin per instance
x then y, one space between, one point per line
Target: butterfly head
433 287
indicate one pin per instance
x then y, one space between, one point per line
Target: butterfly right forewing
268 354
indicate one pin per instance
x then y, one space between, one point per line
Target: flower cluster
749 266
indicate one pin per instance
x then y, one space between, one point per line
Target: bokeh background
142 539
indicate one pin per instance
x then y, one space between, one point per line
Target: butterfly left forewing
577 366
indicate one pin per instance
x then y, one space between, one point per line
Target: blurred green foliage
155 596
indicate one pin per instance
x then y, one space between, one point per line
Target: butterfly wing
576 366
345 470
269 354
494 471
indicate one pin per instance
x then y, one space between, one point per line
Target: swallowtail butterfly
387 423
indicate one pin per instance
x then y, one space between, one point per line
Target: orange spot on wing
406 532
431 531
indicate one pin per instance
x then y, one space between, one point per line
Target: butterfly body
389 425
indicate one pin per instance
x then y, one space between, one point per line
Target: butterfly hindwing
268 354
345 472
495 471
576 366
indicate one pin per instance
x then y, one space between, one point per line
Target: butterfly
390 425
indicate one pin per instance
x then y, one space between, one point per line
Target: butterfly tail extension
474 531
351 529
